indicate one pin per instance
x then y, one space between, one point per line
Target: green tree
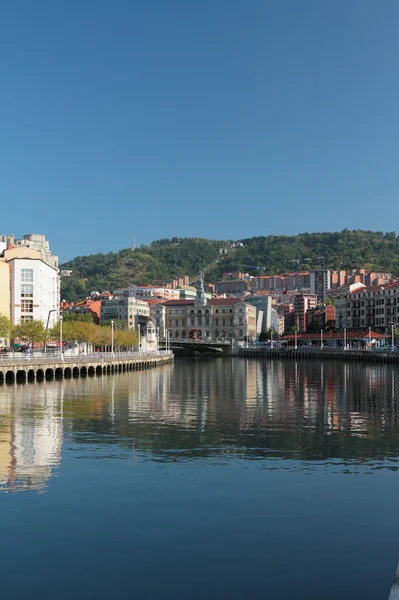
5 326
72 316
30 331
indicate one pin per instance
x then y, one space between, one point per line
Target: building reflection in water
30 435
203 409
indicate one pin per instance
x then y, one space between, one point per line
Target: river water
219 478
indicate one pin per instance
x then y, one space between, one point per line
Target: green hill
160 261
164 259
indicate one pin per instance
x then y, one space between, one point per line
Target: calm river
207 479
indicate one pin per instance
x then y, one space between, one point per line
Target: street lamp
48 322
321 339
369 338
345 338
138 327
112 338
61 353
392 336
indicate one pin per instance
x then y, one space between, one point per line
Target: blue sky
215 118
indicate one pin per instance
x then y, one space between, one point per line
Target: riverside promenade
16 368
370 356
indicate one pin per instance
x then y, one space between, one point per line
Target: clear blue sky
211 118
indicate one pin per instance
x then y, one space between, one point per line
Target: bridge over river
184 346
16 368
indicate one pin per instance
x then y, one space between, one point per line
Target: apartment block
127 310
302 304
234 286
179 280
320 283
34 286
148 291
364 307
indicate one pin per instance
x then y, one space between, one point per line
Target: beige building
214 319
375 307
5 294
5 284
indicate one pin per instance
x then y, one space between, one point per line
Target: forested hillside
162 260
166 258
345 249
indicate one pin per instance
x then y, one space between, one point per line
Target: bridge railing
19 357
172 341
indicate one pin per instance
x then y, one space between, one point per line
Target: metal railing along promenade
55 358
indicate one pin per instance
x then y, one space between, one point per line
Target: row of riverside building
239 307
241 313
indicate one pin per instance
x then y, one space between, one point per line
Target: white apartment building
34 287
147 291
124 309
33 292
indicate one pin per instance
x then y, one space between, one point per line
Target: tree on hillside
5 326
30 332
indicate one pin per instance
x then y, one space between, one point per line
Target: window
26 305
27 275
223 321
26 290
25 318
216 322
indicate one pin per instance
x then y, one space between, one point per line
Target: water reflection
205 409
30 435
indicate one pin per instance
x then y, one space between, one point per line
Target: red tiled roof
155 301
383 286
178 302
224 301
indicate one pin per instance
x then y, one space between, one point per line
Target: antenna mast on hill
133 244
